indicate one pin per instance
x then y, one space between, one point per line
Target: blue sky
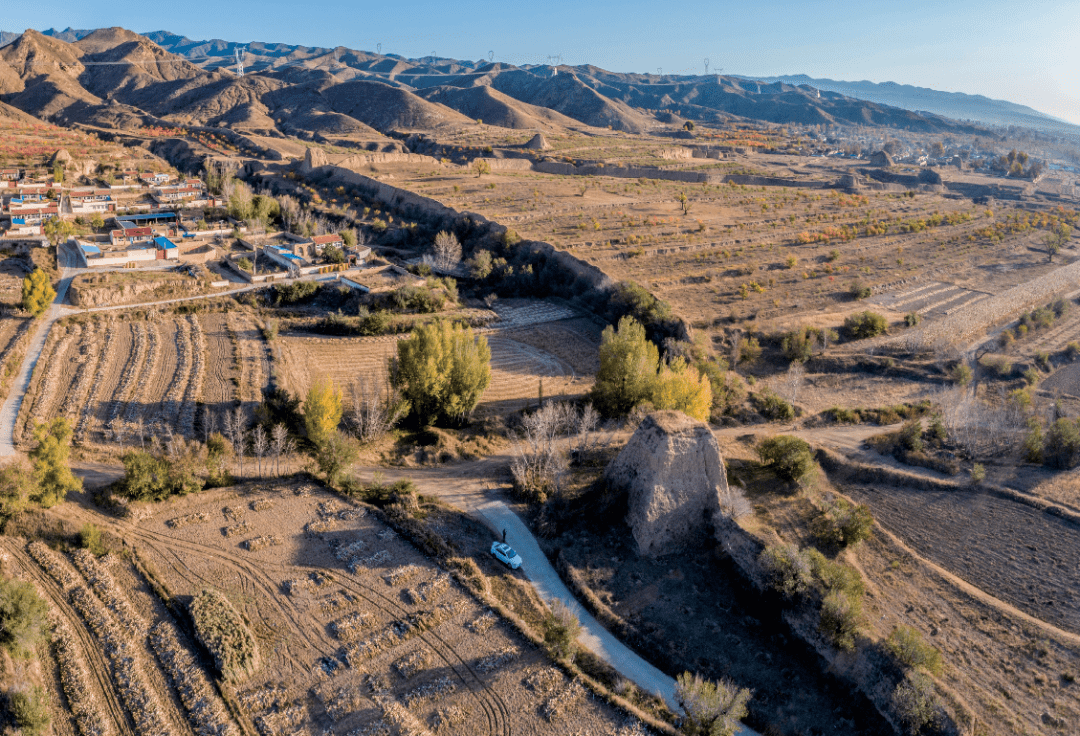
1021 52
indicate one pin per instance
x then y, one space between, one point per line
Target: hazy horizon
996 49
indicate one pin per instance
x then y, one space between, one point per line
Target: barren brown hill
495 108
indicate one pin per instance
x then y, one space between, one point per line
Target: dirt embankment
88 296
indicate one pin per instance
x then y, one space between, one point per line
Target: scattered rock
675 477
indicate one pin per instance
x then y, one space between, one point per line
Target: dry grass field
356 631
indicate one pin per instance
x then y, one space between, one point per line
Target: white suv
505 554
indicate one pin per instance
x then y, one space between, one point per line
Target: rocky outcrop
881 159
538 143
313 159
675 479
61 157
929 176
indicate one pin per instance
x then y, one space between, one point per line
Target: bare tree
376 407
540 463
140 430
236 425
259 444
209 422
447 250
793 381
587 422
119 428
279 437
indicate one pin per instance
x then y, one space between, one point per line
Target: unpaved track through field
98 666
9 412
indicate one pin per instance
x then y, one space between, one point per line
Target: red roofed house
9 174
131 235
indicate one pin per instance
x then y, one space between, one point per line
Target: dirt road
9 412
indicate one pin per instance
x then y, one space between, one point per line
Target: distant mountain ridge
955 105
115 78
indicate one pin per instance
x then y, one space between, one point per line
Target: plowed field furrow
174 395
98 665
136 406
218 389
134 370
194 389
52 372
114 356
90 354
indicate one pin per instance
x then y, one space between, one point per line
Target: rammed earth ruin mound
675 479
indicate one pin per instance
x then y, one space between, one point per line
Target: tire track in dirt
257 575
99 667
493 709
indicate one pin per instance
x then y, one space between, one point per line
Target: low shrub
1062 446
865 324
915 702
772 406
840 616
90 538
23 615
909 648
788 457
859 290
912 319
788 570
297 291
843 524
31 710
961 374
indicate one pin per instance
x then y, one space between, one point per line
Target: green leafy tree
16 487
441 371
97 221
789 457
712 708
1057 239
628 363
57 230
335 454
52 475
322 411
241 205
37 292
23 615
333 254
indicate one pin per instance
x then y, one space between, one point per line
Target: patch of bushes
859 291
864 325
771 406
843 524
915 701
909 648
786 456
225 635
23 616
881 416
293 293
31 710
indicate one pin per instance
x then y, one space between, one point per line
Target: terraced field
114 375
